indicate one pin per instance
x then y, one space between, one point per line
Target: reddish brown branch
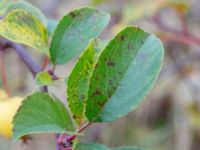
171 34
45 62
83 127
181 38
65 141
3 74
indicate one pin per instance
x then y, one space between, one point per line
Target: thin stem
3 75
45 62
184 22
83 127
65 141
54 68
71 138
173 35
181 38
30 63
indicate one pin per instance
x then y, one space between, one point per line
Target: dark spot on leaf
130 47
76 117
100 104
120 73
110 82
96 93
96 66
122 38
110 63
90 62
73 15
82 97
97 78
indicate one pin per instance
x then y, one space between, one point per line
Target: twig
181 38
170 34
30 63
53 68
3 74
65 141
33 67
83 127
45 62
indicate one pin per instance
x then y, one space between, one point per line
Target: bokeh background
169 118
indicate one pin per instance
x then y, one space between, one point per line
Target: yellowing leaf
78 81
28 7
8 109
21 27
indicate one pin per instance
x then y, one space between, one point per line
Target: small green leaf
128 148
74 32
92 146
21 27
40 113
34 11
43 78
78 80
125 72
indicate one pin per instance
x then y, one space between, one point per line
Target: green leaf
92 146
128 148
51 26
125 72
74 32
78 80
43 78
40 113
4 4
21 27
34 11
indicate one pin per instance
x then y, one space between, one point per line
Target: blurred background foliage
169 118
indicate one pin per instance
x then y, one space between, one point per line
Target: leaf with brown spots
125 72
78 80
